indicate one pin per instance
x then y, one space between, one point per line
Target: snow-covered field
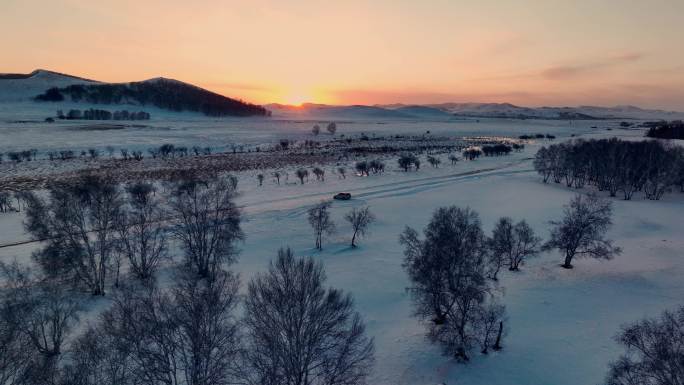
561 321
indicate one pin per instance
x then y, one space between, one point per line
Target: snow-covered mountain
24 87
52 90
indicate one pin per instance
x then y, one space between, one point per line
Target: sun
298 97
296 100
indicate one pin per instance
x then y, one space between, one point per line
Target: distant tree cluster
665 130
406 161
496 150
162 93
97 114
614 165
364 168
20 156
537 136
472 153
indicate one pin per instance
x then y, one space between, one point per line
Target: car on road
343 196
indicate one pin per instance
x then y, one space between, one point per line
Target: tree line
665 130
99 237
98 114
162 93
614 165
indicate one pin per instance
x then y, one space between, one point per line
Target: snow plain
561 321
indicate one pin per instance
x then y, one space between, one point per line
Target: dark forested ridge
163 93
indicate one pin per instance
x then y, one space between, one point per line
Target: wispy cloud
563 72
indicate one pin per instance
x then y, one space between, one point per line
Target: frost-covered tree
142 235
319 173
362 168
447 270
316 129
342 171
654 352
260 178
331 128
526 245
434 161
36 318
302 174
299 332
79 224
320 221
582 230
277 175
511 244
405 161
187 335
359 219
208 222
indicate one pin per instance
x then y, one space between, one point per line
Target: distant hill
424 112
452 111
48 86
324 111
511 111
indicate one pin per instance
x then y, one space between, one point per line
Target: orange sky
529 52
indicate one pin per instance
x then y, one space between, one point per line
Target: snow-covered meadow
561 321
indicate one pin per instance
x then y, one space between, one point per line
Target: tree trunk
497 345
568 260
354 239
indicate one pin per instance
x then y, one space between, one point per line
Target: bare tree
434 161
277 175
208 223
489 320
142 237
301 174
320 174
359 219
260 178
511 244
78 223
316 129
331 128
500 246
654 352
16 352
448 274
319 218
299 332
184 336
582 230
526 245
35 321
343 172
6 202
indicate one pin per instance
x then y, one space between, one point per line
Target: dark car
342 196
